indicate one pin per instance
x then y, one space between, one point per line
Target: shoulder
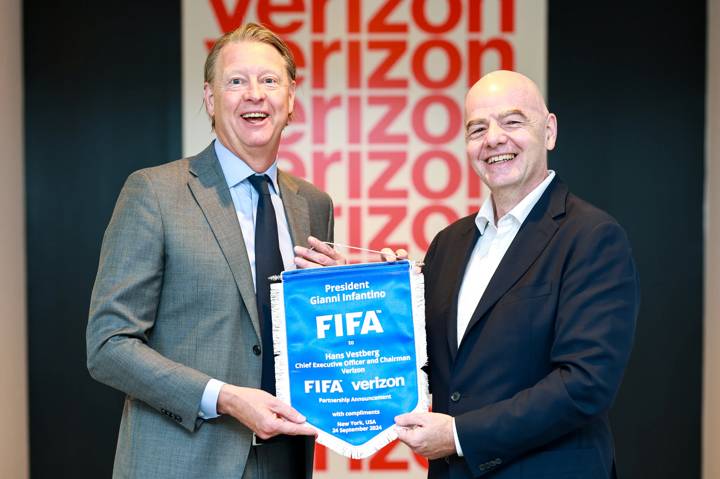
173 171
584 217
573 215
303 188
456 228
581 211
588 231
451 238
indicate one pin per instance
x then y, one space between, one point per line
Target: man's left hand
429 434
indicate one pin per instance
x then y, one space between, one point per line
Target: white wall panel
711 374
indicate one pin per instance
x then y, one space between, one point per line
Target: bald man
530 307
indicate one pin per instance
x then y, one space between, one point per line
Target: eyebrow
502 115
243 71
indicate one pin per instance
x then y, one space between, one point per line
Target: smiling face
508 131
250 100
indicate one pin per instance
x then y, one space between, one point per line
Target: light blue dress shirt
245 199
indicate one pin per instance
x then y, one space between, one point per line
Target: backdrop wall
13 362
711 376
627 82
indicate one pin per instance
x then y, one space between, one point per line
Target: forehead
250 56
493 100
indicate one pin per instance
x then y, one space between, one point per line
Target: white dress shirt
245 200
489 250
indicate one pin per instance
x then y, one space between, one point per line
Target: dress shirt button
455 397
497 461
257 350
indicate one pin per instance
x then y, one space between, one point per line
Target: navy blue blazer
542 359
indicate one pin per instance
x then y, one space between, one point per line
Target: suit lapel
212 194
297 211
534 235
457 263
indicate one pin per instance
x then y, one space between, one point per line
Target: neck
259 158
505 199
503 203
259 164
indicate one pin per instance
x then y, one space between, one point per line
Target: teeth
499 158
255 114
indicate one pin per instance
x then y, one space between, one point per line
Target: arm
123 310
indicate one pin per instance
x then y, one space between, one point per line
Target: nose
254 91
495 135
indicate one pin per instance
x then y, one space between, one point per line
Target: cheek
473 150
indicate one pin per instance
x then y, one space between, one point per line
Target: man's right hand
261 412
319 254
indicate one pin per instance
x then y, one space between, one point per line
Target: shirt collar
237 171
486 215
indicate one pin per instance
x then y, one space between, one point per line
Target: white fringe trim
282 380
417 291
282 370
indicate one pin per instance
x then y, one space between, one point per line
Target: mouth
500 158
254 116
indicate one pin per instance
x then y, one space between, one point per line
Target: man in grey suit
174 318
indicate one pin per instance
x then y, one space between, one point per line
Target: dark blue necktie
268 262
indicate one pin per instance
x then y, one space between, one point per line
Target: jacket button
257 350
455 397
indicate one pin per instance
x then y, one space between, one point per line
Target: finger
388 254
401 254
302 251
287 412
409 437
403 434
302 263
323 248
298 429
408 420
312 256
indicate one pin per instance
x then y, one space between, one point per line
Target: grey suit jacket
174 305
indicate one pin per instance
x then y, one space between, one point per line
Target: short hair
250 32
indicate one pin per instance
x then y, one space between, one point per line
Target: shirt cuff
208 403
458 449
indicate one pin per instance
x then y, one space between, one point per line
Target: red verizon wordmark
379 119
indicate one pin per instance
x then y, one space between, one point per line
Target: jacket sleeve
124 304
598 302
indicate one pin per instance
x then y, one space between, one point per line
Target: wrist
225 400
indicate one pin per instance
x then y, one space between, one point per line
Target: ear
291 99
209 99
550 131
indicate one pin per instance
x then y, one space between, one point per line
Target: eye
476 132
235 82
513 122
270 81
